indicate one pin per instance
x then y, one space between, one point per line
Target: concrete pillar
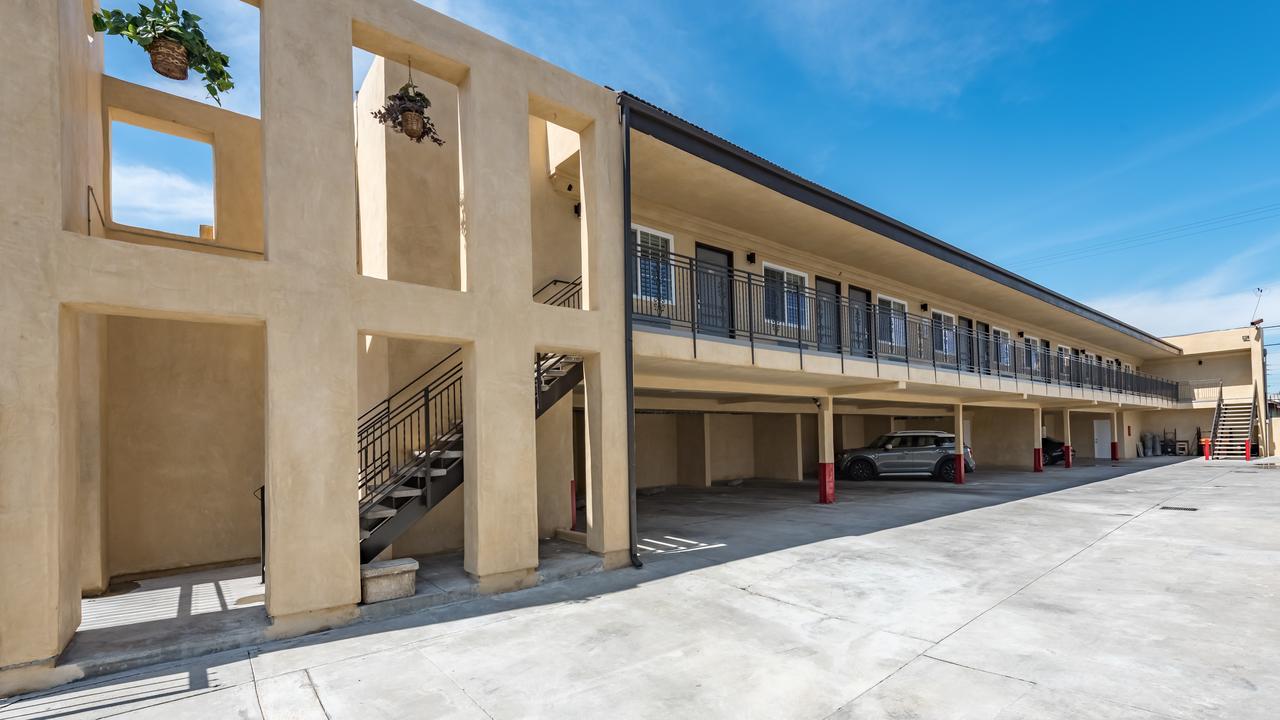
826 452
1117 418
313 577
1066 438
39 560
1037 439
608 506
609 502
960 441
501 546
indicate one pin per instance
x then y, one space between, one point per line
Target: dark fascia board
679 133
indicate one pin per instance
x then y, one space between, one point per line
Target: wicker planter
168 58
411 123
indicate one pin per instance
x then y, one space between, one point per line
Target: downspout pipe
628 293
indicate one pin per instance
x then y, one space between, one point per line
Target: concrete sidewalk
905 600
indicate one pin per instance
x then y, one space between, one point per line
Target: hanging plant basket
406 112
168 58
412 123
174 40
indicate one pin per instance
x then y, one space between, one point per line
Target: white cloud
907 52
146 196
1210 298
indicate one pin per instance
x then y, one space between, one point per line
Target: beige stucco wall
692 449
556 229
409 192
237 164
311 301
656 449
555 467
185 443
1183 422
730 447
777 443
1001 437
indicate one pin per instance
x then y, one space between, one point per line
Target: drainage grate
1175 507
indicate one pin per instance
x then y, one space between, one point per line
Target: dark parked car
1052 450
907 452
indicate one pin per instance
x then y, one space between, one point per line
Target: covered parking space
698 526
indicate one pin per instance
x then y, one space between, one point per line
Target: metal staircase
1233 425
410 444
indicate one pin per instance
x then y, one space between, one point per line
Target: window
161 182
784 295
893 322
1004 348
1031 354
944 335
653 265
1064 361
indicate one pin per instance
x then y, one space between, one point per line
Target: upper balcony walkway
748 318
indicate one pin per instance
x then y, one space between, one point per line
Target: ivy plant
164 19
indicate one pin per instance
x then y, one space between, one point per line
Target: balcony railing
716 302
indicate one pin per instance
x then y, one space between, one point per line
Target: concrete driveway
1063 595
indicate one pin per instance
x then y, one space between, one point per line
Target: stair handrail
1253 417
1217 419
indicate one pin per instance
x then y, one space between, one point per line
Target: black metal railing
398 433
561 293
713 301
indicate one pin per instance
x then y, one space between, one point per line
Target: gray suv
907 452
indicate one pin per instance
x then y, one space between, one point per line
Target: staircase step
378 511
428 472
405 492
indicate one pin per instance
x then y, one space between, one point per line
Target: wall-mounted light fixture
1022 334
751 258
577 209
924 307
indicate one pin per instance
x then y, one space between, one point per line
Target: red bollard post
959 469
1037 461
1066 456
1248 450
1115 452
826 483
1205 443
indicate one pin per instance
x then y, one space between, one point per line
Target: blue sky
1125 154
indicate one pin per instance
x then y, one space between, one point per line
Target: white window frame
954 350
894 326
995 337
800 308
670 299
1032 343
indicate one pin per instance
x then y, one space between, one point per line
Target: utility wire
1090 252
1257 214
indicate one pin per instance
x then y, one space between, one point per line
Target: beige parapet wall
306 300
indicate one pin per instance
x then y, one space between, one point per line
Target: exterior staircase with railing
410 445
1233 424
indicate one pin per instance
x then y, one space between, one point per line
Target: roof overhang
660 124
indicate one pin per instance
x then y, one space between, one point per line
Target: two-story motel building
416 350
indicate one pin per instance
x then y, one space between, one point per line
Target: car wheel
862 470
946 470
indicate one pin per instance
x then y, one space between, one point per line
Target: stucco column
39 560
312 532
826 452
1117 419
601 238
91 499
960 441
608 507
500 490
1066 438
1037 440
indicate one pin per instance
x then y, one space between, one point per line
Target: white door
1102 439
